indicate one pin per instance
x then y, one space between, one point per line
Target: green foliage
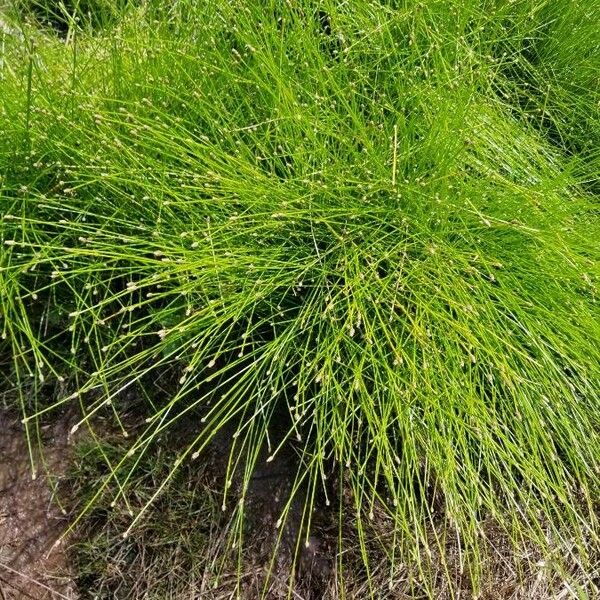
384 221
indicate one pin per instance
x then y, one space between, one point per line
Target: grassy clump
381 218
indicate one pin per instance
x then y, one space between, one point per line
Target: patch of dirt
279 553
32 556
179 548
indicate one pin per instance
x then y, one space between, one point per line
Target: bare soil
33 560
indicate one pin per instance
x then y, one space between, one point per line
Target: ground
32 554
171 553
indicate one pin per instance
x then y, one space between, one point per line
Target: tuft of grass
166 557
339 218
